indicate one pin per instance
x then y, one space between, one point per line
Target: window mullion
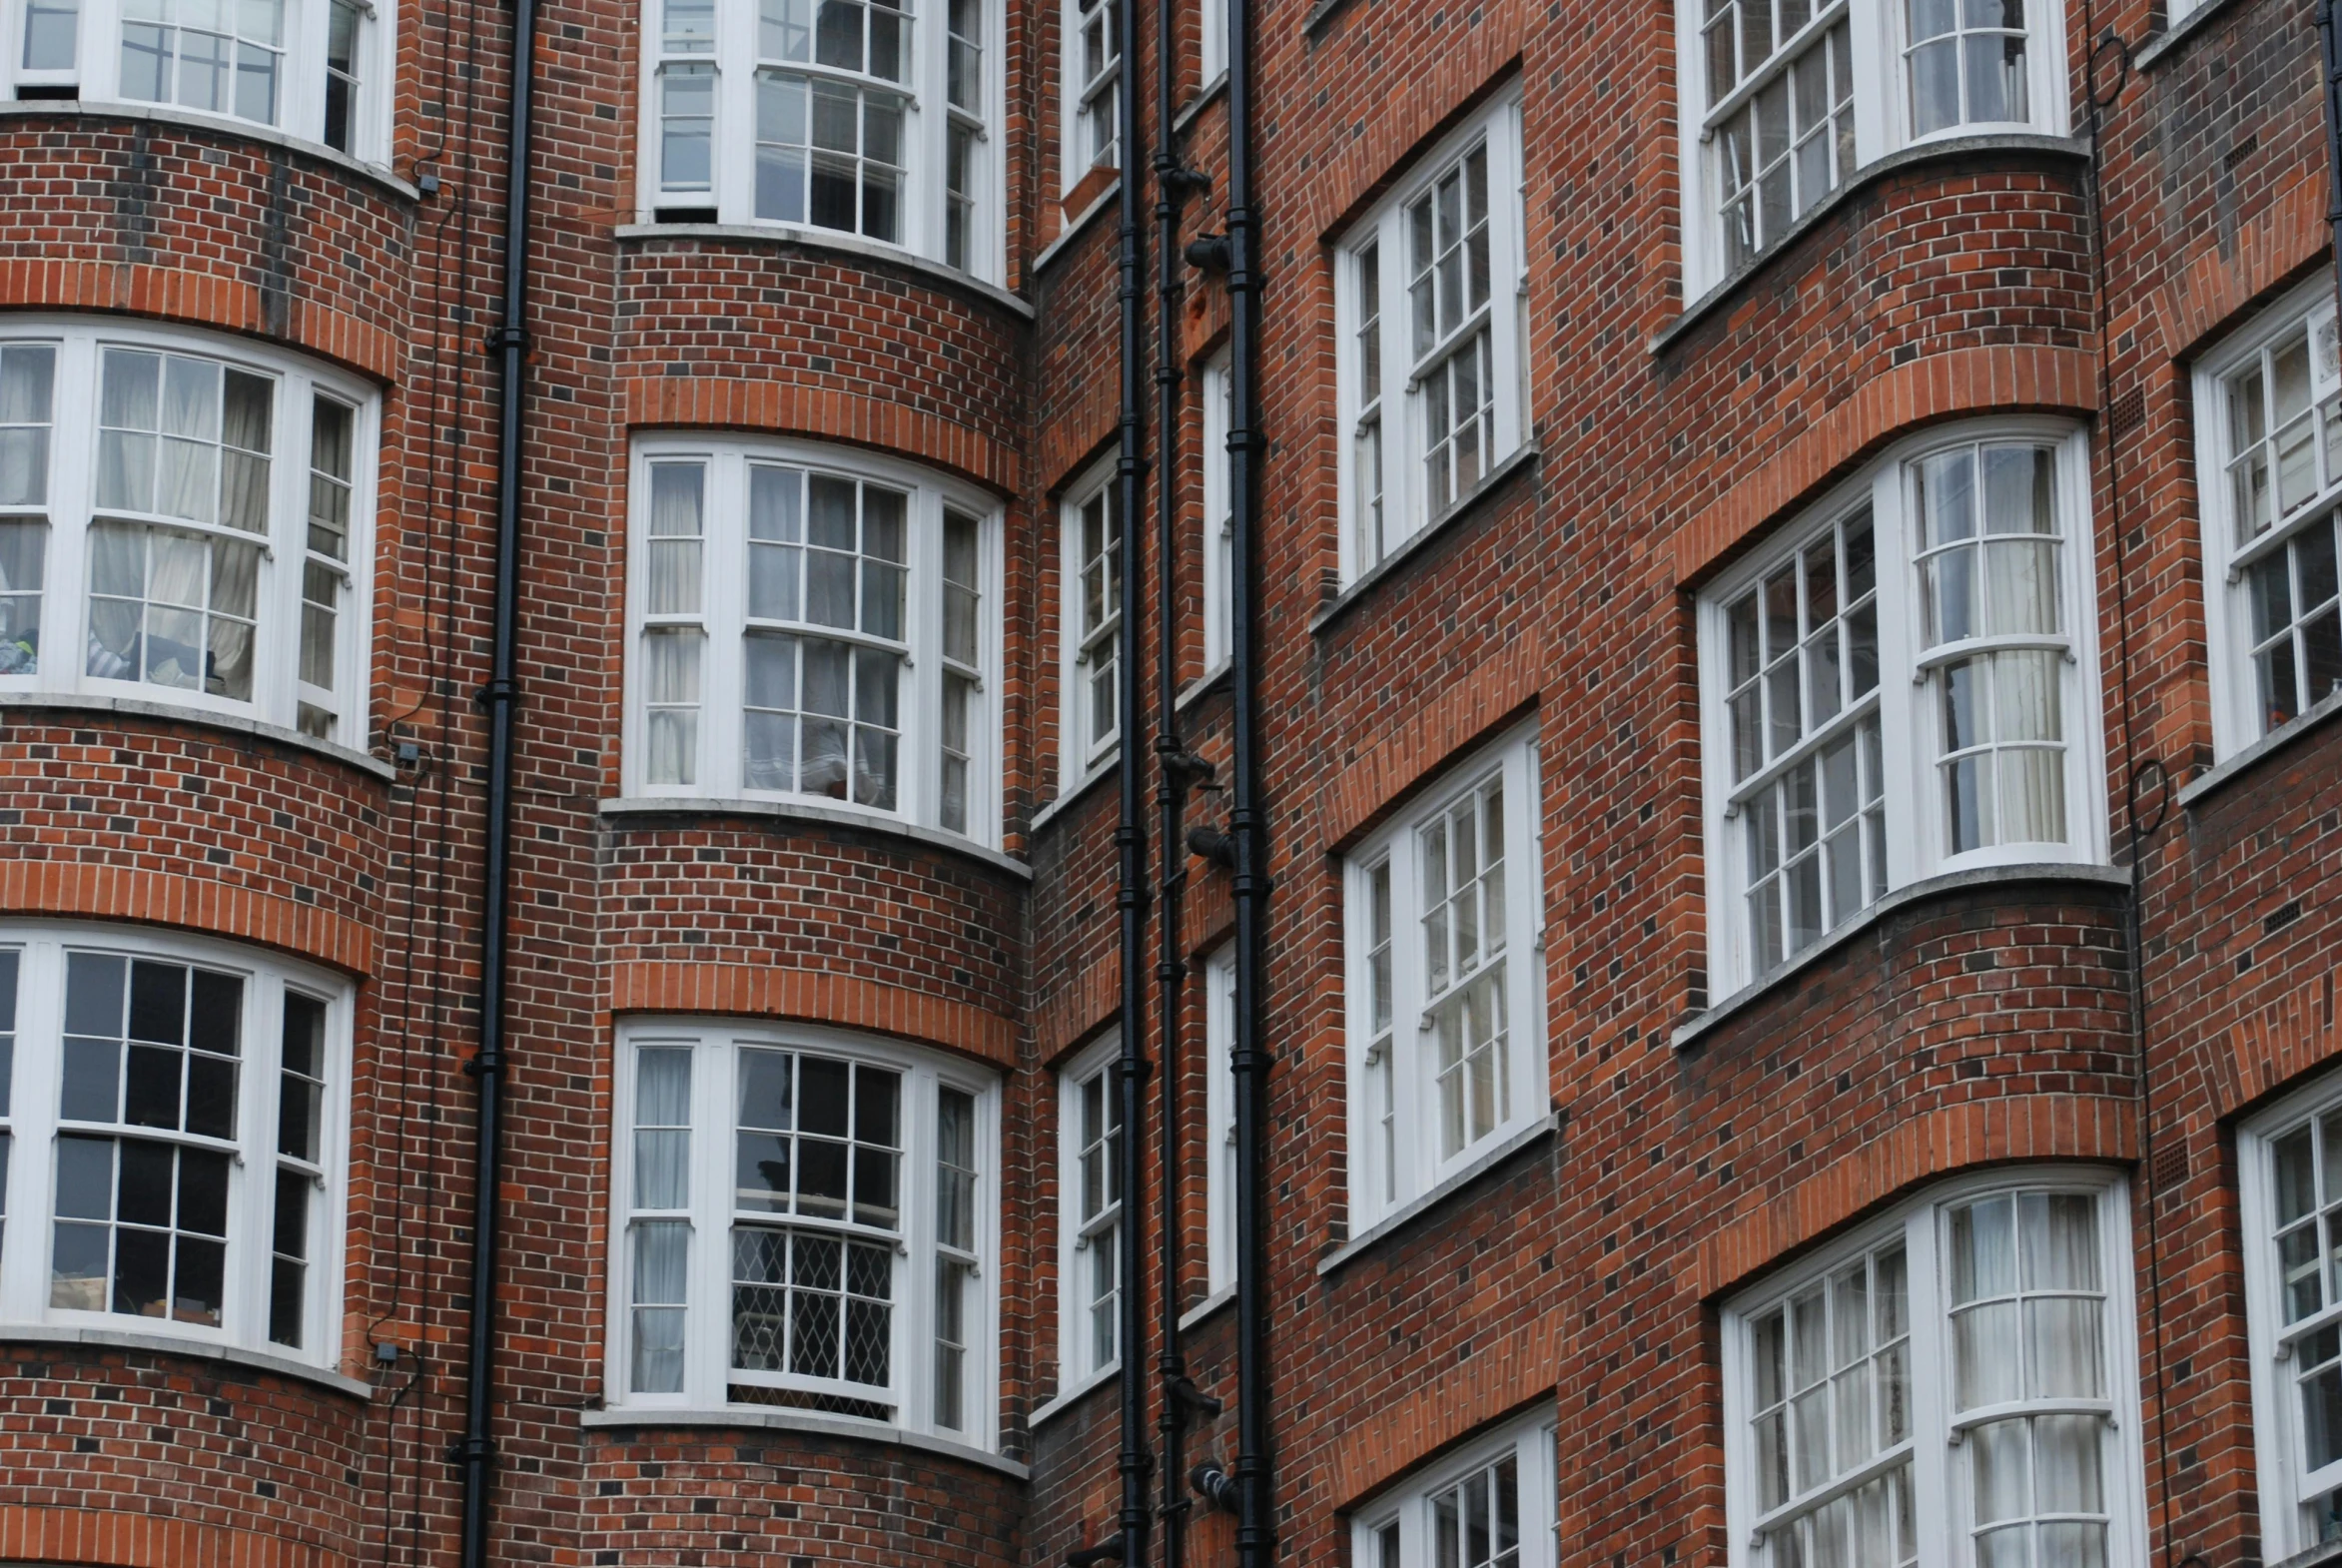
32 1107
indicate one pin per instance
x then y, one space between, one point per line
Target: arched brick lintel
813 997
2284 1041
1962 382
820 413
132 1540
74 891
198 300
1941 1144
1501 1378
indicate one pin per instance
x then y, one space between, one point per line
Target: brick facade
1694 1148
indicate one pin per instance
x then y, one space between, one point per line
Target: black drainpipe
1131 895
1180 770
475 1453
1254 1475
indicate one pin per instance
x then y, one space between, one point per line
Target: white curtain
189 459
670 686
673 566
2028 726
662 1253
26 376
662 1129
235 583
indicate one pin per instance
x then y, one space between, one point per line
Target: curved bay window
803 1221
169 1139
186 522
869 118
312 70
804 629
1902 684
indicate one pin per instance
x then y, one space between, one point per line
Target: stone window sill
1691 1029
2170 38
1058 1404
1107 767
1734 286
2217 777
627 806
769 1418
1074 230
1423 1203
1209 1306
1467 504
788 237
167 1344
1215 88
1203 685
134 707
164 114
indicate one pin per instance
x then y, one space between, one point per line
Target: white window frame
2237 716
715 1046
1938 1447
95 76
1910 723
278 695
34 1122
1211 42
1078 152
1882 113
2287 1488
1078 1363
1404 1085
722 616
1219 1121
928 116
1218 520
1408 505
1405 1517
1082 750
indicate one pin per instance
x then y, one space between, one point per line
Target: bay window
1492 1504
186 521
170 1130
1445 972
1091 593
1089 1215
1953 1387
1787 99
811 625
1429 350
1902 684
803 1220
315 71
868 118
2289 1167
2270 474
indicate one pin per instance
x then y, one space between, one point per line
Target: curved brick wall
152 1461
200 224
834 346
752 1496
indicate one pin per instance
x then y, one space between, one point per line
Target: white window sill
2155 49
1058 1404
1692 1029
1104 768
1728 288
138 707
1194 106
1073 231
172 1345
1203 685
1225 1297
778 233
811 811
1415 1207
773 1418
1466 506
167 113
2221 774
2312 1556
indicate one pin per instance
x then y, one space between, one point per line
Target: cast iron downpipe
1131 894
2330 55
475 1453
1256 1502
1177 770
